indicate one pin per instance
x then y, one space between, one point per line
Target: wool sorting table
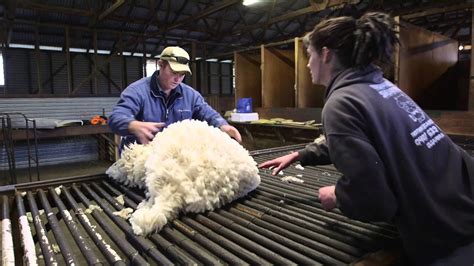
70 220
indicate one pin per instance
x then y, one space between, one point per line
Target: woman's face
314 65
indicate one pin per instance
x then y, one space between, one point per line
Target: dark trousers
461 256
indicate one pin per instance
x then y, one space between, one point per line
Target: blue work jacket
144 101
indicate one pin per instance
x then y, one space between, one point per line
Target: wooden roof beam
312 8
436 10
203 14
59 9
10 7
111 9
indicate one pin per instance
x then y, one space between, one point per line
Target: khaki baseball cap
178 59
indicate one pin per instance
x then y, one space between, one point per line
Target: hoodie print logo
407 104
386 89
428 133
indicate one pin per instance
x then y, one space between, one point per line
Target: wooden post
471 83
68 61
205 68
96 61
193 65
219 70
144 57
117 140
38 58
109 87
123 81
50 59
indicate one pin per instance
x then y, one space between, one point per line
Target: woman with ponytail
398 166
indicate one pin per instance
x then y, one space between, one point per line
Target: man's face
314 65
169 79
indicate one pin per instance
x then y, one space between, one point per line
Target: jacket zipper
168 107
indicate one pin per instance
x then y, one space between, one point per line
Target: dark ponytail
375 38
357 43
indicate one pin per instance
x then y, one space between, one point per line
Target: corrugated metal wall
22 78
103 83
62 150
81 69
60 79
21 73
116 72
134 69
214 78
52 152
16 65
57 108
226 77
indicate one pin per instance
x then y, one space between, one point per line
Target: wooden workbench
262 136
21 134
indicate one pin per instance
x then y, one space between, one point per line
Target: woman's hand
280 163
327 196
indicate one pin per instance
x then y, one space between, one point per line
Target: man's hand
327 196
280 163
232 132
144 131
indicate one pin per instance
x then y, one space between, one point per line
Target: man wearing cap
151 103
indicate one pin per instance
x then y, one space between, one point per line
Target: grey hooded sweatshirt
397 164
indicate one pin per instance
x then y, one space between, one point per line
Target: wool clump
188 167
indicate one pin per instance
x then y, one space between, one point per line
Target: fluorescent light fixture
226 61
25 46
91 51
50 48
77 50
137 54
212 60
126 53
249 2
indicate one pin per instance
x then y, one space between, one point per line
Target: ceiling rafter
116 5
286 16
267 23
129 11
204 13
84 29
163 37
436 10
221 26
58 9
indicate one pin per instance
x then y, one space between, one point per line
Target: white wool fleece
191 167
129 168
